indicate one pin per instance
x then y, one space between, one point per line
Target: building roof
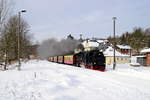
95 43
124 46
90 44
102 41
145 50
110 52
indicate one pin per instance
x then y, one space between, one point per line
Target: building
108 52
138 60
120 58
33 52
89 45
124 49
100 44
146 53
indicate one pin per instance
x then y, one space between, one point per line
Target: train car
55 59
69 59
49 58
61 59
89 59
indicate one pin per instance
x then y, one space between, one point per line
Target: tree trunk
6 58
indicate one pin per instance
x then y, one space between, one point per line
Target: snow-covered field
42 80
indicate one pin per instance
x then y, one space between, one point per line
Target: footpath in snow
43 80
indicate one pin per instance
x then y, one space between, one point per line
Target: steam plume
52 47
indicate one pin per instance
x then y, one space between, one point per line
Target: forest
138 39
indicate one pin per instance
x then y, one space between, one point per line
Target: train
93 59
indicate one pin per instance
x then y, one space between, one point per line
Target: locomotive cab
98 61
95 60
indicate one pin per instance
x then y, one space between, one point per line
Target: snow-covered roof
124 46
90 44
101 41
139 56
145 50
110 52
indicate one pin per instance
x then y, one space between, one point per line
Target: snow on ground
43 80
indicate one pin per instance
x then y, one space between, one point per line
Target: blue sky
92 18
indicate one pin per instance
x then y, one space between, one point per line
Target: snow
43 80
90 44
124 46
110 52
145 50
102 41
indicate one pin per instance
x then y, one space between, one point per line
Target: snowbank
42 80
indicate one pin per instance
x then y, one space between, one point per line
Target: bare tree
5 10
9 40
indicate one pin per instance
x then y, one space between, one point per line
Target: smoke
53 47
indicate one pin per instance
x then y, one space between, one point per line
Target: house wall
141 59
119 60
124 51
148 59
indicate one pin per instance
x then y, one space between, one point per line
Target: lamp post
19 18
114 44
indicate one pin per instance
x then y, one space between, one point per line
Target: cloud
57 18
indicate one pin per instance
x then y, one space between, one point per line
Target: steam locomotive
93 59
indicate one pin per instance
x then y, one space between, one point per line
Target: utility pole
114 44
81 36
19 51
